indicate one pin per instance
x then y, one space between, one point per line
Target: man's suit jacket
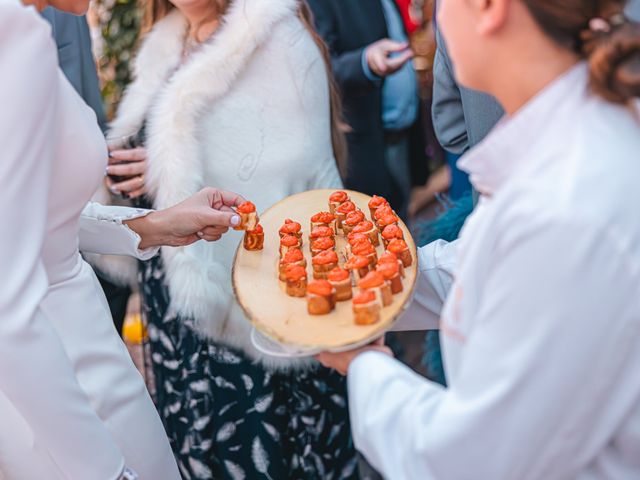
75 57
348 27
461 117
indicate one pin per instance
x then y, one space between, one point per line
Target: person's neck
202 23
527 71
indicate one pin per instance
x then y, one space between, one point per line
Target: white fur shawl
248 112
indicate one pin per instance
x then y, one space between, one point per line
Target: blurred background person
371 60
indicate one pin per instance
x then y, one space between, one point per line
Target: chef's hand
380 59
130 165
341 361
207 215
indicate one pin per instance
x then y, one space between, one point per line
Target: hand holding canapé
207 215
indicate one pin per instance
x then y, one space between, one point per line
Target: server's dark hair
599 32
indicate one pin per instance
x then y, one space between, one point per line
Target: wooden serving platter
285 319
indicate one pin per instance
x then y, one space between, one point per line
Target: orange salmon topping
377 201
338 275
325 258
388 257
363 248
346 207
289 241
354 218
357 261
321 232
382 211
371 280
388 220
323 217
320 287
363 227
323 243
295 273
392 231
397 246
388 270
354 238
246 207
364 297
290 227
293 255
339 196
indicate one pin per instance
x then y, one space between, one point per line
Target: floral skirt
227 417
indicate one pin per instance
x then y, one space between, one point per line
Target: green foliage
119 22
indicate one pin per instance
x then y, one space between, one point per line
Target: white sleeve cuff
102 231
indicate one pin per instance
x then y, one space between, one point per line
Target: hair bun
614 61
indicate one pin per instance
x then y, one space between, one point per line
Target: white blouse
541 330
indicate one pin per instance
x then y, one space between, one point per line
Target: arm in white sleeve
35 373
102 231
436 266
546 375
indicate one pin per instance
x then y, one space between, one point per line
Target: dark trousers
397 158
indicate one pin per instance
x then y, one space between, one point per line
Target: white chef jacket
541 331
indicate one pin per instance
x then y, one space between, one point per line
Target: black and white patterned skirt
227 417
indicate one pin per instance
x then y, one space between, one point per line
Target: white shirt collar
500 154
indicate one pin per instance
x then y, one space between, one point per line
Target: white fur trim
197 291
194 284
179 107
117 269
206 77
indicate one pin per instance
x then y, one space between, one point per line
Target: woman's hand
125 172
341 361
207 215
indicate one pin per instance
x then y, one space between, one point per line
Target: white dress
541 331
72 405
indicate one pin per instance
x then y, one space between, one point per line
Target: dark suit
73 39
348 27
75 57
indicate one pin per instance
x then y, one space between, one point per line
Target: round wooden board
285 319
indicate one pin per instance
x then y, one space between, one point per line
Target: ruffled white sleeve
102 231
35 373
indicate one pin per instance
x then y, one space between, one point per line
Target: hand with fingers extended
340 361
207 215
125 172
386 56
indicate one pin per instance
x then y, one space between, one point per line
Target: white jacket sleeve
436 265
545 377
102 231
35 373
